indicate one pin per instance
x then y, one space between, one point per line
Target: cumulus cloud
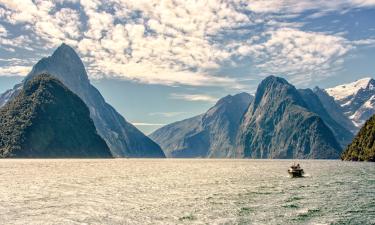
14 70
193 97
167 44
292 52
178 42
292 6
3 31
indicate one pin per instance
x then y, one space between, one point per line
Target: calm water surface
173 191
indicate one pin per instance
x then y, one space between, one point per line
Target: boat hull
295 173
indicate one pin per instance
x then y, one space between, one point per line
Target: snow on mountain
344 91
7 95
357 99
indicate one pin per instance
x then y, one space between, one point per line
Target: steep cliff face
212 134
363 146
279 124
47 120
123 138
334 110
342 135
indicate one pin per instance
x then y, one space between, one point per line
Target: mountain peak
356 99
64 64
240 97
274 80
66 51
273 87
122 138
343 91
39 129
279 124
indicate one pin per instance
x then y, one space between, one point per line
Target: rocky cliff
123 138
212 134
279 124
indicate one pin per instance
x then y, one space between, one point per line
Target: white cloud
293 6
168 43
147 124
167 114
15 42
3 31
193 97
171 42
304 56
14 71
369 41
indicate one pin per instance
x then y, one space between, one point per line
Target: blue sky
161 61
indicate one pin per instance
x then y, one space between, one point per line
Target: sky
160 61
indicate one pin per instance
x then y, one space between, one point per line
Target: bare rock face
279 124
123 139
47 120
342 135
212 134
334 110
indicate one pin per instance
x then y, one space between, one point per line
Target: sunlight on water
172 191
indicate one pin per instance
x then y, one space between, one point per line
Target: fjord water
182 191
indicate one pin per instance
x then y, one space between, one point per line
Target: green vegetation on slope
46 119
363 146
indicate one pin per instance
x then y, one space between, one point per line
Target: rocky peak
279 124
356 99
345 91
34 123
276 88
66 65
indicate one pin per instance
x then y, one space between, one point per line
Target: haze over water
182 191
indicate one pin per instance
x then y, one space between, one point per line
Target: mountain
334 110
212 134
357 99
363 146
342 135
34 123
279 124
123 139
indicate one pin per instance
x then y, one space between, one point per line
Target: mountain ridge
211 134
278 124
33 124
357 100
124 139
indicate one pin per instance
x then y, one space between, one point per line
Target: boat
295 171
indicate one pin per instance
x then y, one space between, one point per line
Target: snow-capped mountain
357 99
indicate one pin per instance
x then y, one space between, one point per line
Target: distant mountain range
47 120
357 100
343 135
212 134
123 139
279 122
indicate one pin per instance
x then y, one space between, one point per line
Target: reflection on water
179 191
